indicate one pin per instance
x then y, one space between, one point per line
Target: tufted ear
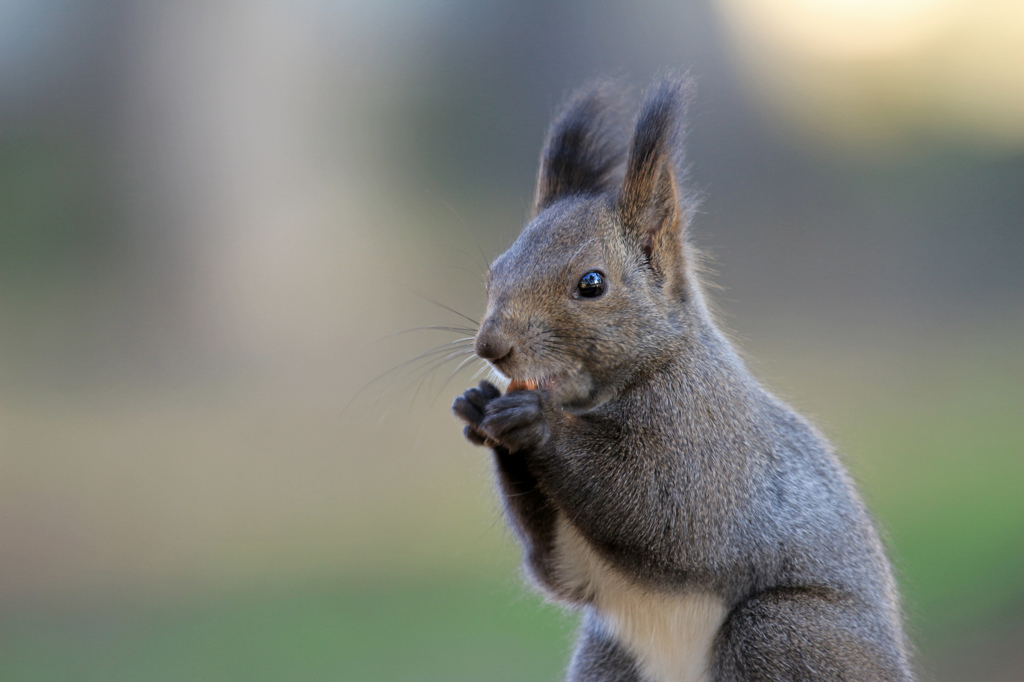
652 204
584 148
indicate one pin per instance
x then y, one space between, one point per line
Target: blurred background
217 461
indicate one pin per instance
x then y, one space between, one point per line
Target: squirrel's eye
591 284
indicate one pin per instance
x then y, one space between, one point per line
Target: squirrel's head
598 284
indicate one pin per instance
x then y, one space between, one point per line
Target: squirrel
704 529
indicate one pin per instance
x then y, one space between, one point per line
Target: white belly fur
670 635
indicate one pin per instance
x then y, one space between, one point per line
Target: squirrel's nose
491 344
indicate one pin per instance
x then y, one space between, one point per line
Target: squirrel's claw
475 435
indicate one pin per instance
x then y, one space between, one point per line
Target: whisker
582 246
435 363
448 308
458 347
458 344
452 376
433 327
472 234
425 374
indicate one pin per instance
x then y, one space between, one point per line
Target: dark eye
591 284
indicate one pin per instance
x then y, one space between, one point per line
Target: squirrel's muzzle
491 344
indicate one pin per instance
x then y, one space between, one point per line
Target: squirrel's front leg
489 417
577 463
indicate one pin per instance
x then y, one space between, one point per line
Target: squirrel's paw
470 407
517 420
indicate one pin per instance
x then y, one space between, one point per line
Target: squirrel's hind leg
796 634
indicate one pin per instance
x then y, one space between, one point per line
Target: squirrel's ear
584 148
652 203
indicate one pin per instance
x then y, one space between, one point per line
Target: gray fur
599 657
651 437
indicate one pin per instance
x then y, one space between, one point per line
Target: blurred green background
214 218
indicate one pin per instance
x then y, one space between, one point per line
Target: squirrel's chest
669 635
